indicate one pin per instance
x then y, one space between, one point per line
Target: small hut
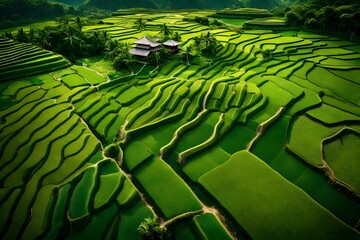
144 46
172 45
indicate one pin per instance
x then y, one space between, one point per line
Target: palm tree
210 43
139 24
21 36
105 35
63 22
9 35
31 35
129 61
72 39
44 39
186 53
176 36
208 39
124 60
79 23
197 43
165 30
111 50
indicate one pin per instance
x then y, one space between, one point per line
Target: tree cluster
118 53
150 229
67 38
202 20
339 15
206 44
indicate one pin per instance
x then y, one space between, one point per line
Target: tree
31 35
111 50
209 43
21 36
218 23
165 31
97 42
186 53
157 57
292 18
44 39
123 58
139 24
327 17
202 20
197 44
205 21
150 229
105 35
79 23
73 41
176 36
9 35
63 22
266 54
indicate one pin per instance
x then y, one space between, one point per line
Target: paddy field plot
21 60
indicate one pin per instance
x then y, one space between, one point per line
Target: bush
266 53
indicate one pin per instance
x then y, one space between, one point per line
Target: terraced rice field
19 60
233 148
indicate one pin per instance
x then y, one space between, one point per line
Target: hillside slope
175 4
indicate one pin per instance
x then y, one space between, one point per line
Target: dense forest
325 15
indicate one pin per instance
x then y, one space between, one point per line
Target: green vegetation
327 16
166 189
243 132
21 60
294 211
342 148
150 229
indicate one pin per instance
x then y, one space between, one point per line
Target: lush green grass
304 129
134 154
16 62
330 115
341 153
232 21
266 22
170 194
344 89
74 80
210 227
204 162
294 210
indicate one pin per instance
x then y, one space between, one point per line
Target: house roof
146 41
140 52
171 43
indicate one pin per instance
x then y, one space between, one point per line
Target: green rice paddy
237 146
